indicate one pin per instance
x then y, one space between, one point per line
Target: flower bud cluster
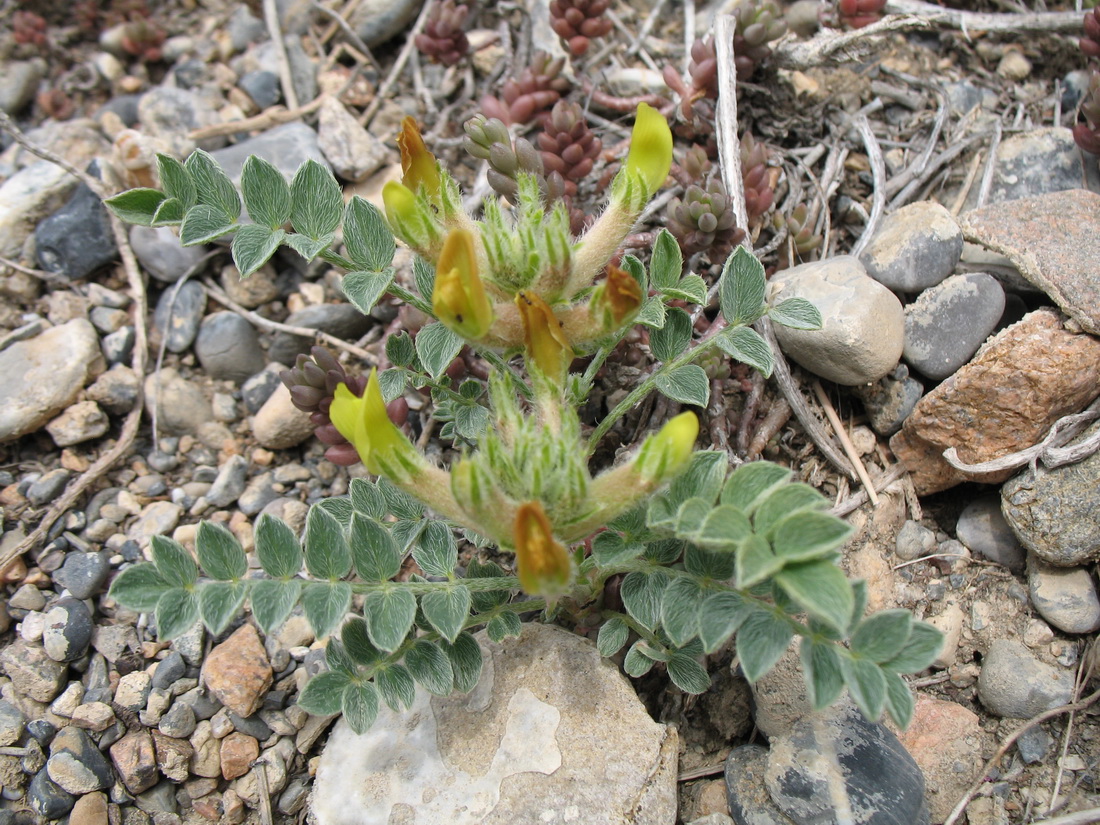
538 87
756 175
758 23
312 383
1087 134
859 13
443 39
703 219
578 21
488 139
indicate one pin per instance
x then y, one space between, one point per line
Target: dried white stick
878 175
729 145
286 80
1065 22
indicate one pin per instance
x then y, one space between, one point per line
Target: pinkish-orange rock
136 761
1005 400
237 671
238 752
945 739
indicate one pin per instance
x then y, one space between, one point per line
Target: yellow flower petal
418 165
546 344
667 453
366 424
458 298
542 563
650 154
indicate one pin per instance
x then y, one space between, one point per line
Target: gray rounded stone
21 79
914 248
76 240
863 324
746 795
47 798
1064 596
68 630
376 21
228 347
76 764
982 528
230 483
179 314
889 400
160 253
948 322
181 406
342 320
82 574
1016 684
286 147
262 86
1054 512
914 541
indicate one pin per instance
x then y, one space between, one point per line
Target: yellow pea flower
546 344
366 424
667 453
418 165
617 299
542 563
458 298
400 203
650 155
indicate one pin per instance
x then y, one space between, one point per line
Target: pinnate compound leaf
430 667
367 238
702 479
687 384
367 499
203 223
503 625
273 600
680 605
220 554
673 338
641 593
400 349
389 613
720 615
750 484
610 548
376 556
401 504
796 313
761 640
325 604
690 517
652 313
785 502
612 636
219 602
174 563
266 193
821 589
466 661
139 588
278 548
392 383
323 695
437 347
357 643
724 527
176 613
253 246
364 289
446 610
636 662
809 535
741 288
169 213
359 702
714 565
691 288
687 674
337 658
309 248
396 686
436 550
317 203
667 262
920 650
821 670
213 187
136 205
899 700
744 344
882 636
756 562
327 552
175 180
866 683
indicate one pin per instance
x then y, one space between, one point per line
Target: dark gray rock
889 400
228 347
243 28
82 574
258 494
230 483
116 390
179 314
179 722
376 21
257 389
76 240
47 798
982 528
746 795
42 730
48 487
170 669
287 147
161 255
108 319
262 86
914 541
914 248
883 784
68 630
1015 683
76 764
948 322
342 320
253 725
1034 744
125 106
118 347
1054 512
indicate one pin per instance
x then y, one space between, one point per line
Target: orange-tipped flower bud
418 165
459 298
617 299
546 344
542 563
